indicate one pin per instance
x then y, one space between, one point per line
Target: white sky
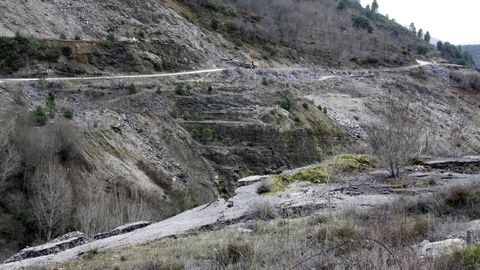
454 21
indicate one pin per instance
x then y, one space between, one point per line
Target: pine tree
420 33
51 104
374 6
427 37
412 28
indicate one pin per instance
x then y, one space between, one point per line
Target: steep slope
143 148
73 38
326 32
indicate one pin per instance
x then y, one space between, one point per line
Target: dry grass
467 79
380 238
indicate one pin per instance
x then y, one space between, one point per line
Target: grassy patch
321 173
466 259
352 162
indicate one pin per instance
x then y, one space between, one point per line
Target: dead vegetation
467 79
396 138
380 238
48 187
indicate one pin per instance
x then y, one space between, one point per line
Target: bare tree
51 199
100 211
9 156
395 139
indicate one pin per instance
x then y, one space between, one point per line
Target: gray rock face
468 164
61 243
122 229
71 240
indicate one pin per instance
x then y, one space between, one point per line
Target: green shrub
63 36
238 43
305 106
186 115
461 197
17 52
110 37
320 107
180 89
40 116
325 110
68 113
77 37
465 259
362 22
208 135
344 232
210 87
199 116
286 104
214 24
195 134
132 89
140 34
266 81
174 113
67 51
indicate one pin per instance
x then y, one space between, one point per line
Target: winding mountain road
207 71
157 75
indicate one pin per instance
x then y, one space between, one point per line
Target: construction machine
250 64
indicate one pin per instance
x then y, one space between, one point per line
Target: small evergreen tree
195 134
412 28
40 116
286 104
427 37
51 104
215 24
439 46
68 113
208 134
374 6
420 33
132 89
110 37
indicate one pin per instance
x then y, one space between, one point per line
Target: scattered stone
122 229
434 249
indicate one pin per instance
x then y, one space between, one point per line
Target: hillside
70 38
95 153
474 50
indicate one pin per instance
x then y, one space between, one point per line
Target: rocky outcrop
468 164
64 242
71 240
122 229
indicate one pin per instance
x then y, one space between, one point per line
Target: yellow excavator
252 64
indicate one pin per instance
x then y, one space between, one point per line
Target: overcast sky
454 21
